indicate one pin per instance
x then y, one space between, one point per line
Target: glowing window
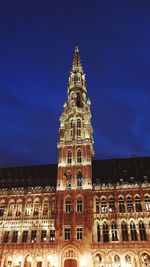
69 157
79 157
43 235
79 205
79 233
67 233
24 236
68 206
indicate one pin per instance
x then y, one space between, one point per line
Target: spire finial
76 59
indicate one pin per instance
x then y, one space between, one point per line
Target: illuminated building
77 222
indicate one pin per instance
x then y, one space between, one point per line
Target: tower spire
76 60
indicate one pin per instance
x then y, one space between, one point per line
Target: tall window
43 235
2 209
133 231
124 230
79 233
138 206
121 205
67 233
69 157
128 260
105 233
79 205
45 208
129 204
97 205
111 205
15 237
18 209
147 203
79 179
142 231
11 209
28 209
98 233
114 232
68 206
6 237
78 128
71 128
24 236
103 205
67 179
79 157
33 236
37 207
52 235
78 100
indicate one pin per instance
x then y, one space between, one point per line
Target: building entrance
70 263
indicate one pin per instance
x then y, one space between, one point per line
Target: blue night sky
37 41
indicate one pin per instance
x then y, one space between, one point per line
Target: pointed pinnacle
76 59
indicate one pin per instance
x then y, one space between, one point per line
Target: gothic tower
75 146
74 216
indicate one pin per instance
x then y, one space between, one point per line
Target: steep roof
104 171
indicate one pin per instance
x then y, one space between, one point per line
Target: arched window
69 156
121 205
79 157
78 128
138 206
114 232
37 207
117 261
18 207
98 233
128 260
145 259
97 205
103 205
105 232
67 179
98 261
68 205
129 204
45 208
111 205
78 78
147 203
79 205
78 100
79 179
71 128
142 231
133 231
124 230
2 208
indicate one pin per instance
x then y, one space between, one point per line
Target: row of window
67 233
127 205
78 157
29 209
45 236
79 205
68 176
128 232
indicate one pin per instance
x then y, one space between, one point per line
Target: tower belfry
75 145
